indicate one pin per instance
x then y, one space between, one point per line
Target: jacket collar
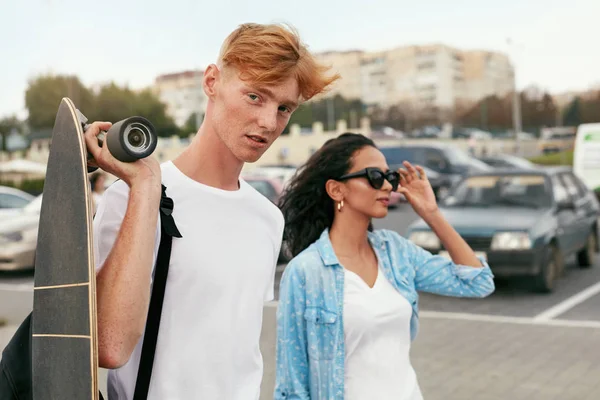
326 249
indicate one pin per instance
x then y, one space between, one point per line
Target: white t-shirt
222 271
377 341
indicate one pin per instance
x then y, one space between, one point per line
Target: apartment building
182 93
429 76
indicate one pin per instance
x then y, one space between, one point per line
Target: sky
554 42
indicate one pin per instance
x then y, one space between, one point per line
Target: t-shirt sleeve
108 220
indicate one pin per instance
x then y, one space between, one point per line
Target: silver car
18 237
12 201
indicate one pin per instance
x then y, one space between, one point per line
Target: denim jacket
310 333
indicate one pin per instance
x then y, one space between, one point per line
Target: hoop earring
340 205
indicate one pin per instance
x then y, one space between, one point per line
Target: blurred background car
507 161
524 222
444 164
269 187
12 201
281 172
18 237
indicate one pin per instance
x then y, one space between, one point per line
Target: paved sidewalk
476 360
463 360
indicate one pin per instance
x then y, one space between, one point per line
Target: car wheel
551 267
586 256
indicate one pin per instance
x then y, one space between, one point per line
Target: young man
222 269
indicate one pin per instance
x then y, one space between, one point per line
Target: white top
377 341
96 197
221 273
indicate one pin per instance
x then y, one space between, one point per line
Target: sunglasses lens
376 179
394 179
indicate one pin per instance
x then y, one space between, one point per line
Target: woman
348 307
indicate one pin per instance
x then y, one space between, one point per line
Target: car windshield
460 157
529 191
517 161
397 155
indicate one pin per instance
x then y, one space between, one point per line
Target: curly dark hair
94 179
305 204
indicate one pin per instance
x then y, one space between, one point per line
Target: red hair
269 54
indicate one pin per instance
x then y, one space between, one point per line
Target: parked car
444 164
525 222
282 172
507 161
395 200
18 237
271 188
12 201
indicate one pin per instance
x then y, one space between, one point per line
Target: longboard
64 326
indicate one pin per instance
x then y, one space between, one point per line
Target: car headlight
511 241
425 239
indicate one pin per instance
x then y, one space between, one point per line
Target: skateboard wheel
131 139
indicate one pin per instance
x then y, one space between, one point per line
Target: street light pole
517 124
516 109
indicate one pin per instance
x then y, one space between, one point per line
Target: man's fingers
91 139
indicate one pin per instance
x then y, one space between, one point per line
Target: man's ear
210 80
335 189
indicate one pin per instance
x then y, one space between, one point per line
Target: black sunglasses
376 177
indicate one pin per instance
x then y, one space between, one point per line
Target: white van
586 156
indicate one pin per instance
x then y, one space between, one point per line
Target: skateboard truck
128 140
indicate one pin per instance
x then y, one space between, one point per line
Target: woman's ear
335 189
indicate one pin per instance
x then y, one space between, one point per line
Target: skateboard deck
64 339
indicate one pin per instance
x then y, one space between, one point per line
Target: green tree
44 94
114 103
149 106
572 115
191 125
303 116
538 112
491 113
590 109
328 110
7 125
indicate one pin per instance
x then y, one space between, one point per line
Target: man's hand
144 170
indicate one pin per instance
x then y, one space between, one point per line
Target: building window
426 65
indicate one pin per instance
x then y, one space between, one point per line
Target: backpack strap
161 270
